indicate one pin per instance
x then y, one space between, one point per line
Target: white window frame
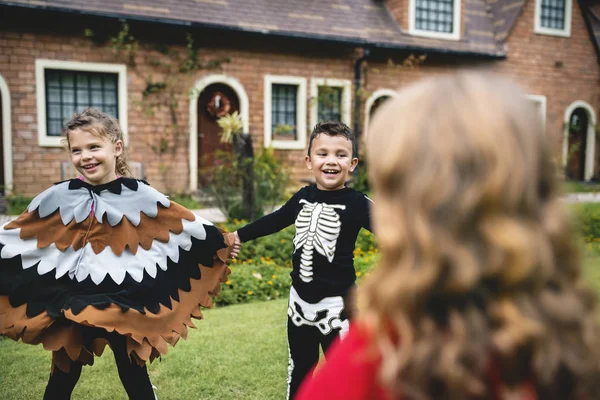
40 67
6 136
566 32
300 142
456 26
346 98
541 103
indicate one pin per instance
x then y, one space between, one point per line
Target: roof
360 22
591 14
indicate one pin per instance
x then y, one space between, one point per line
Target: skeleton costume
118 264
327 225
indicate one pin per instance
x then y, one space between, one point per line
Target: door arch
372 103
204 87
579 141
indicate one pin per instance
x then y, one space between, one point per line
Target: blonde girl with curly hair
478 293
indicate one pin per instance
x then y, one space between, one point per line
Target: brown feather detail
125 234
147 334
167 325
51 230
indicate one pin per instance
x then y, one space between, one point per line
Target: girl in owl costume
105 259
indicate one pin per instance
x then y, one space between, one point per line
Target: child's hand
236 246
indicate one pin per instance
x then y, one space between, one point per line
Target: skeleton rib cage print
318 227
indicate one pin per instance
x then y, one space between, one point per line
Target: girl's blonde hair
479 271
103 125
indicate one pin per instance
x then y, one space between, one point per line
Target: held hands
237 245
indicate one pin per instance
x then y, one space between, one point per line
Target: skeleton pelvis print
326 315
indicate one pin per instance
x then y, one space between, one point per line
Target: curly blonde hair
99 124
479 270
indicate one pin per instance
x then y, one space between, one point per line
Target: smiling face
331 161
95 157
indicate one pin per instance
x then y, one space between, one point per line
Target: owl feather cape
114 257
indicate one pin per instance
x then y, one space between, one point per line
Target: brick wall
562 69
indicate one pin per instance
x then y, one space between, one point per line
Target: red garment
350 373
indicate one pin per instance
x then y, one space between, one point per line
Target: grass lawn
237 352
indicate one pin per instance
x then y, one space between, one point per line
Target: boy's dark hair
332 128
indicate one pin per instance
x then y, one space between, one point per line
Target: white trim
300 142
6 137
195 92
345 84
590 140
369 103
541 103
537 21
455 35
41 65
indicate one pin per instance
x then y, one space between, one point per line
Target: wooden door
209 138
578 126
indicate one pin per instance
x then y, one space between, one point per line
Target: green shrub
185 200
587 220
580 187
17 203
251 281
269 180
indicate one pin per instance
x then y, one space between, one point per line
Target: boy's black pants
135 379
309 326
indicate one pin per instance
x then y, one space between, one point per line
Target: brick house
173 66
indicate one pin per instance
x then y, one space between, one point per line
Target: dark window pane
553 14
329 103
283 110
434 15
68 92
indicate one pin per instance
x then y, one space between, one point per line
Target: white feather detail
77 203
84 262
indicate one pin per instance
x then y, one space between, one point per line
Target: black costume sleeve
271 223
366 216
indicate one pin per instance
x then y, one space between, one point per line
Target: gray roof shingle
367 22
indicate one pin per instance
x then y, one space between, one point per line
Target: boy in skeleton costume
105 259
328 216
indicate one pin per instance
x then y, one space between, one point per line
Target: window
435 18
553 17
285 112
330 100
64 88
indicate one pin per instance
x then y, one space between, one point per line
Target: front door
578 126
214 100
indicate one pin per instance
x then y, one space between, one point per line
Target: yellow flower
282 240
270 282
228 282
358 273
250 292
235 261
274 277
